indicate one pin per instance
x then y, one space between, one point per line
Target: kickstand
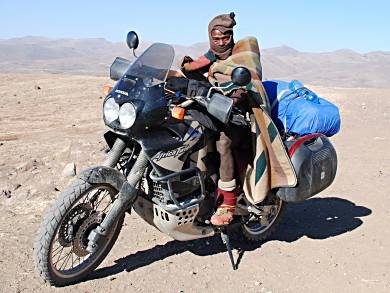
226 241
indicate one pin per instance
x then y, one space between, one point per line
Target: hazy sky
305 25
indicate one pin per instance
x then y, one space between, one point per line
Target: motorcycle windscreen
153 65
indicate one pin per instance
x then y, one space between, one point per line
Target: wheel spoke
66 260
57 252
59 259
109 204
58 247
89 197
103 197
60 253
72 261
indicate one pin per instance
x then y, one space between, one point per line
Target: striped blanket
271 167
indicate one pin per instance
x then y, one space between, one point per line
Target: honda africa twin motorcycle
152 167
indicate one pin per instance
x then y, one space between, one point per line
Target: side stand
226 241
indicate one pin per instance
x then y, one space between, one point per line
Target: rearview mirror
132 40
220 107
241 76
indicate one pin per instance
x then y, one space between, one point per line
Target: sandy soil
335 242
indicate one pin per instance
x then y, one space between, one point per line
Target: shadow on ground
316 218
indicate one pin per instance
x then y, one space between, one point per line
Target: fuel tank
168 148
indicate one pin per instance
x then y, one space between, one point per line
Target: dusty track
335 242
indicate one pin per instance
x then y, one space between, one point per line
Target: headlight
110 110
127 115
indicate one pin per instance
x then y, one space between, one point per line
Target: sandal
225 211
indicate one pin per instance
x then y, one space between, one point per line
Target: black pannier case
315 163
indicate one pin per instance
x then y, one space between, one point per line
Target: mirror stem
218 88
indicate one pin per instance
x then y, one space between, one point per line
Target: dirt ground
336 241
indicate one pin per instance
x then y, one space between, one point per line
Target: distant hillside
344 68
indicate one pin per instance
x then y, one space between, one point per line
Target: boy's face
220 39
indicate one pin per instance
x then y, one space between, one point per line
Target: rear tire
50 229
254 230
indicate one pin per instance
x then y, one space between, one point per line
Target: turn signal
178 113
106 90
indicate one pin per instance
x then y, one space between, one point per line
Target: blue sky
313 26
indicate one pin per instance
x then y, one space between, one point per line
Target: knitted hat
224 23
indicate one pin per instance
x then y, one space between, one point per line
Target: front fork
127 193
115 153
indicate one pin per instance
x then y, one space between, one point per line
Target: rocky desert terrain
51 128
337 241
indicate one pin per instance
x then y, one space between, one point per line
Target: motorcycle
156 167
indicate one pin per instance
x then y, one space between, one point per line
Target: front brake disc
71 223
80 242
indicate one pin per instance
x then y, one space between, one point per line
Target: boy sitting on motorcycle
219 62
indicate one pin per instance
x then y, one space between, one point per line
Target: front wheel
259 226
60 253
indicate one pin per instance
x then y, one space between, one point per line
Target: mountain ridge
342 67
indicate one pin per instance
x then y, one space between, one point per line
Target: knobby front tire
72 202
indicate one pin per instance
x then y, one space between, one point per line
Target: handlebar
219 106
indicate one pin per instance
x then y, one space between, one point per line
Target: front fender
103 175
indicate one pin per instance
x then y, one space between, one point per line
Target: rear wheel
60 251
260 225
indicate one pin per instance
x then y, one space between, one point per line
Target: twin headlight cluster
125 113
